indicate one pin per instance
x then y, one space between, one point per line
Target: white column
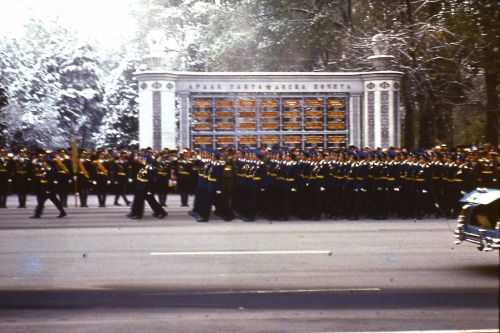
184 135
168 119
145 114
377 121
355 119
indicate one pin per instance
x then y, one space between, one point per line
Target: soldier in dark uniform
63 167
378 187
486 170
83 177
5 174
122 176
144 191
216 189
164 171
46 189
22 173
317 178
359 184
458 183
101 177
202 166
229 175
254 185
183 169
287 182
437 168
272 185
392 174
422 182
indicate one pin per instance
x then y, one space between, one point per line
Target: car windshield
486 216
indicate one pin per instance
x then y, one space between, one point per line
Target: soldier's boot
163 200
38 212
22 200
59 206
83 200
64 200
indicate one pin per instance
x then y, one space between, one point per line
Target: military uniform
183 172
5 174
47 186
22 176
101 178
122 175
164 171
83 177
63 169
144 191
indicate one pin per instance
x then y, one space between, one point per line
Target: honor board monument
294 109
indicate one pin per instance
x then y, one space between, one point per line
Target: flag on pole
74 163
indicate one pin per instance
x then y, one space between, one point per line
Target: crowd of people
276 184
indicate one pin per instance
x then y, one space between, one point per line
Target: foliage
54 84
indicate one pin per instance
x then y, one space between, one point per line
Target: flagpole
74 163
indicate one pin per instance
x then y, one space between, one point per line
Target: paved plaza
97 271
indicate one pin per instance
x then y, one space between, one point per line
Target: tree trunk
491 79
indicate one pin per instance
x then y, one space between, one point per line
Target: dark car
478 222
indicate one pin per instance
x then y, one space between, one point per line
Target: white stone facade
168 102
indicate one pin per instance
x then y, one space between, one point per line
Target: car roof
481 196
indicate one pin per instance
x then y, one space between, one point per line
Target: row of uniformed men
305 184
347 184
101 172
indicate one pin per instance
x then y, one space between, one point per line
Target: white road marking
212 253
270 291
487 330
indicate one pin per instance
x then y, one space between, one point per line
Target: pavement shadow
175 298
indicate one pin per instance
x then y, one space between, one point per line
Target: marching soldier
183 172
122 176
22 173
101 177
422 181
486 170
392 174
287 182
46 188
255 184
5 174
63 167
317 178
144 191
83 177
164 171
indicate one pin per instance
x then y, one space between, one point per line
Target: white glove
10 180
55 181
322 189
94 182
363 190
263 190
130 180
294 189
116 183
149 193
218 192
75 178
424 191
70 181
29 179
396 189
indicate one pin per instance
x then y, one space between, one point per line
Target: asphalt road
97 271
